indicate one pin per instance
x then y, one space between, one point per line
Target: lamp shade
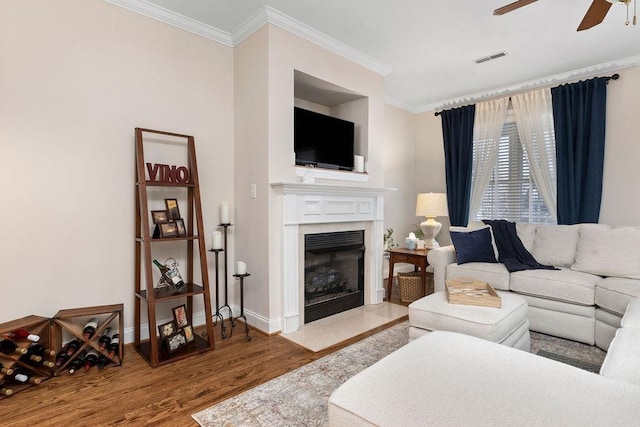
431 205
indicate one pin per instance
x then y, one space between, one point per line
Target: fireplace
333 273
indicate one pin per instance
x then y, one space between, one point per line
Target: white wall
76 78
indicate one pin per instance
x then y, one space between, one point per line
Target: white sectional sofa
450 379
599 273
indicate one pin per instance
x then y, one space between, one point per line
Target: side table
416 257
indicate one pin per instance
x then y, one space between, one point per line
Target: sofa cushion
555 244
526 233
473 246
476 225
563 285
631 318
614 293
448 379
494 274
612 252
622 362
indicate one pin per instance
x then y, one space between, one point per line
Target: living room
78 76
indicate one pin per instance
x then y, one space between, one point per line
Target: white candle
241 268
217 240
224 213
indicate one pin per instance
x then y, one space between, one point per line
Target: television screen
323 141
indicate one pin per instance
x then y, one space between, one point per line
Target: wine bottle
90 329
73 346
9 346
24 376
102 362
170 275
41 350
105 339
78 362
114 346
6 391
91 359
23 334
5 371
62 356
30 357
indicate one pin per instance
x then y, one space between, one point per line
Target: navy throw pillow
473 246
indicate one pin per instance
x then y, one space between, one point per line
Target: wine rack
149 296
72 321
36 325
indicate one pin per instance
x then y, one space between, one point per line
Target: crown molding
556 79
254 23
270 15
174 19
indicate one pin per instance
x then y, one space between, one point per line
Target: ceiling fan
595 14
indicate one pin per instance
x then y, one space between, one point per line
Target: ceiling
429 46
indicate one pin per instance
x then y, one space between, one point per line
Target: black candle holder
218 315
242 316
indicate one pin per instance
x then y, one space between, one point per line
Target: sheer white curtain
487 129
534 117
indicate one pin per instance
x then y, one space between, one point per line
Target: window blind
512 193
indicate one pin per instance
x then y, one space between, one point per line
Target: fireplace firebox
333 273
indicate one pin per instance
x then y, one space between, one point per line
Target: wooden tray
469 291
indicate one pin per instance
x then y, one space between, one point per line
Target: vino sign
170 174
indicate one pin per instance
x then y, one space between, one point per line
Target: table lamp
431 205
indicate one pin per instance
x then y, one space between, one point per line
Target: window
512 193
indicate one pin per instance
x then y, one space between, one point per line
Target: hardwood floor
135 394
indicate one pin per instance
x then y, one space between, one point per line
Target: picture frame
182 230
173 212
166 329
180 316
159 217
168 229
188 333
176 341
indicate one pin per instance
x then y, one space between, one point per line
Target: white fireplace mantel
310 205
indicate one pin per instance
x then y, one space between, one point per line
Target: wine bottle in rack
29 357
62 356
105 339
9 346
102 362
78 362
21 375
163 269
90 329
73 346
91 359
5 371
22 334
5 391
114 346
41 350
171 276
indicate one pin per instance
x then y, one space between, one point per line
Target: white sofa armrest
439 258
631 318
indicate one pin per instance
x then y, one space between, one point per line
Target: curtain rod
615 76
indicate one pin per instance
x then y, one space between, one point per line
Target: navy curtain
457 131
579 120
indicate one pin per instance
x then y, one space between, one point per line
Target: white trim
263 16
339 175
556 79
327 190
174 19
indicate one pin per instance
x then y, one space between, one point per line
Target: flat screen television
323 141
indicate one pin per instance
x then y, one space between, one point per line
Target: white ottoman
507 325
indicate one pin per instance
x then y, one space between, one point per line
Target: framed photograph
180 316
168 229
166 329
182 230
188 333
173 212
159 217
175 341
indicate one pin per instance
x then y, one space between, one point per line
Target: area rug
299 398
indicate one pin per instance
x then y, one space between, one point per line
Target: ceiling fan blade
512 6
596 13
